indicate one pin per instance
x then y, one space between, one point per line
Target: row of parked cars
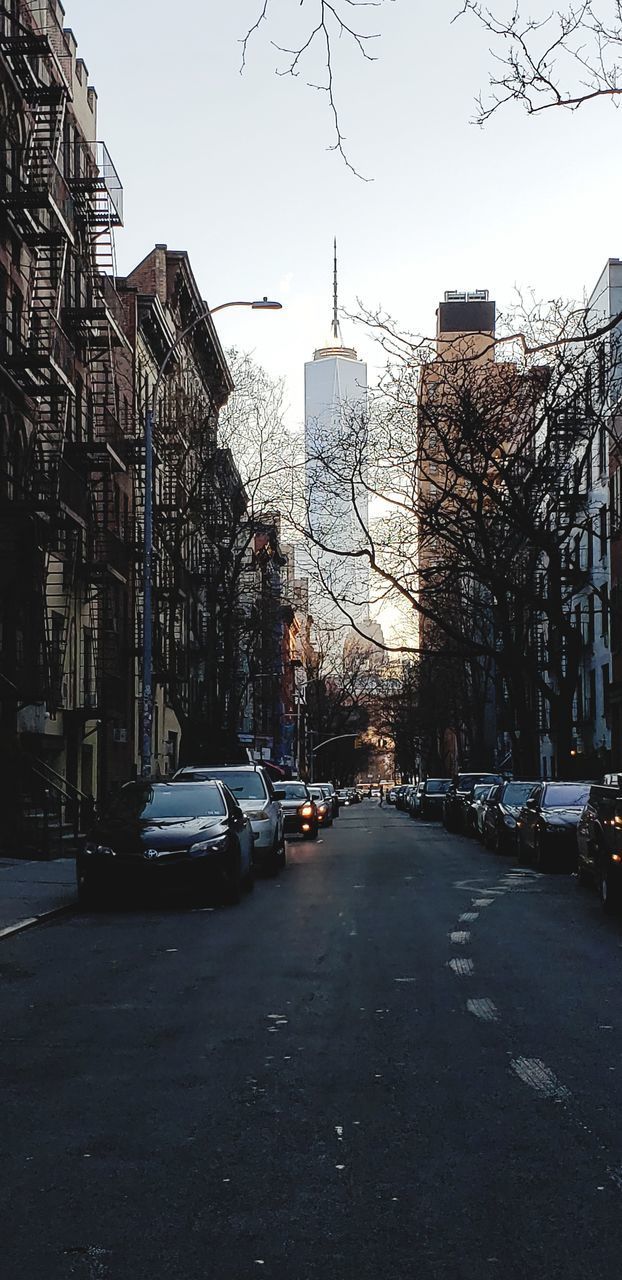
207 828
553 824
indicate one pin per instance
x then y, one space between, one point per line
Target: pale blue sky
235 169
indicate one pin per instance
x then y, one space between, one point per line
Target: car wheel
88 900
608 893
540 858
277 856
584 878
232 876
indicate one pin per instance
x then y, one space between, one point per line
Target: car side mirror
531 803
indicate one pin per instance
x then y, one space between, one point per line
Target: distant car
355 795
160 835
299 809
254 791
459 794
414 799
323 804
391 796
547 824
333 796
474 813
401 795
344 796
501 812
432 797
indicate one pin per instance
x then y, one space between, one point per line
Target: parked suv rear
459 796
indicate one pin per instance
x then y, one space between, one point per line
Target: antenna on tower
336 330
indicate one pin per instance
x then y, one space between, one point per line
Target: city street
400 1059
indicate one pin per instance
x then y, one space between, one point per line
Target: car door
244 832
275 808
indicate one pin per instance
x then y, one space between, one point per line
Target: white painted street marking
459 936
468 916
462 967
484 1009
404 979
483 902
534 1073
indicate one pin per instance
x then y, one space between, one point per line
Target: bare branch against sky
329 23
561 58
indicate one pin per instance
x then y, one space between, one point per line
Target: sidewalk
34 891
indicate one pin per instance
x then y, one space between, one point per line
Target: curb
30 923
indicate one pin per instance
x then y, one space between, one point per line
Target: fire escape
63 198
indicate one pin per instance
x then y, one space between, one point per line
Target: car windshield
565 795
317 793
244 784
437 786
291 791
143 802
516 793
482 789
466 781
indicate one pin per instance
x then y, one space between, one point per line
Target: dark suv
459 796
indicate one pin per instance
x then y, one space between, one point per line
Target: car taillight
307 811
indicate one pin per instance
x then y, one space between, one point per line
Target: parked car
547 824
458 797
501 811
599 842
253 789
414 800
323 804
400 802
163 835
355 795
474 815
333 796
299 809
432 797
391 795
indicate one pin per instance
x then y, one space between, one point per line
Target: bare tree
477 473
565 57
330 22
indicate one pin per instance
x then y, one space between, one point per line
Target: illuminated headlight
306 811
209 846
103 850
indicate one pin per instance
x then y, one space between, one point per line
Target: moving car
459 795
253 790
333 795
323 804
299 809
599 842
501 812
164 835
344 797
547 824
432 797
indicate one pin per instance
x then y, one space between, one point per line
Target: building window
590 618
602 531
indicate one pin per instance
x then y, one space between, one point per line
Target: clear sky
236 170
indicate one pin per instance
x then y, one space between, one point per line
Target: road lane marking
459 936
404 979
468 916
483 902
464 968
484 1009
540 1078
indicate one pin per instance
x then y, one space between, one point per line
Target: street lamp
262 304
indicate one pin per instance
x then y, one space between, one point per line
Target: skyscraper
335 480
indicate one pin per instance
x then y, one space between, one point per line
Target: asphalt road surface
401 1059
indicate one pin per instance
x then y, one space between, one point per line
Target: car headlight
216 845
306 811
103 850
508 820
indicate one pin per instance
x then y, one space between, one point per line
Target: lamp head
264 304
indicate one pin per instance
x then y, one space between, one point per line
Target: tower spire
336 329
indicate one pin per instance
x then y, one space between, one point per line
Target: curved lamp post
146 726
